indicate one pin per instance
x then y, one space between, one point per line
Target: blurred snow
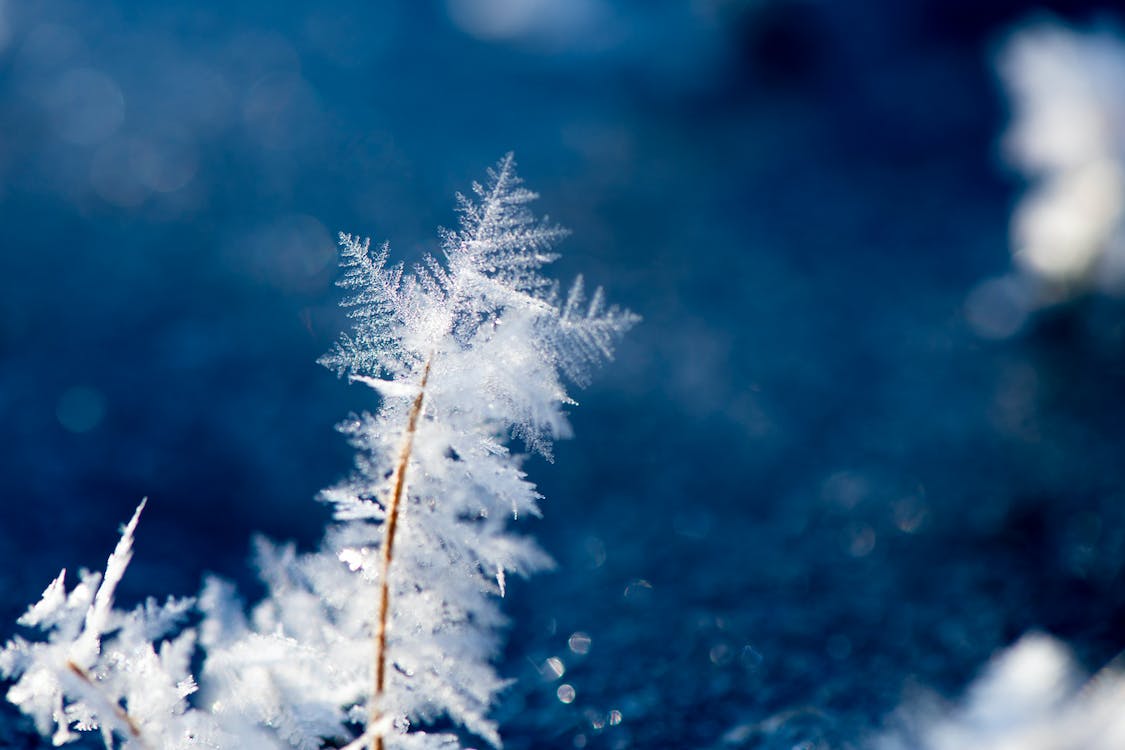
556 22
1067 136
1031 697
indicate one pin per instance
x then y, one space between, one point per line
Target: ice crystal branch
392 625
106 670
466 352
469 352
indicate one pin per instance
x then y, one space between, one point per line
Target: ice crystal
466 353
100 668
392 625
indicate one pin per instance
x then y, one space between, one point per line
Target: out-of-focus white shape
1031 697
112 175
281 111
127 170
553 668
1068 137
294 253
204 104
45 48
164 165
85 106
998 308
1025 682
579 643
80 409
1067 96
1061 230
558 20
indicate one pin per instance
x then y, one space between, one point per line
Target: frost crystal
393 624
104 669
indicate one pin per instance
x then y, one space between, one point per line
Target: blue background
804 489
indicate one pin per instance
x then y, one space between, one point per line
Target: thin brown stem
121 714
390 526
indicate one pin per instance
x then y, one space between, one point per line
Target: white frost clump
104 669
395 620
392 625
1031 697
1067 136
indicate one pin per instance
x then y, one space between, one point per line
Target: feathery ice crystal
393 624
100 668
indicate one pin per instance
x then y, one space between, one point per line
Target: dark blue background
804 488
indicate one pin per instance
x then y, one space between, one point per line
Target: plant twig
121 714
390 526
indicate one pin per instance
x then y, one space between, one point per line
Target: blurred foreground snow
1067 137
1032 696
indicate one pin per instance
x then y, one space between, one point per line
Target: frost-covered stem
121 714
389 528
